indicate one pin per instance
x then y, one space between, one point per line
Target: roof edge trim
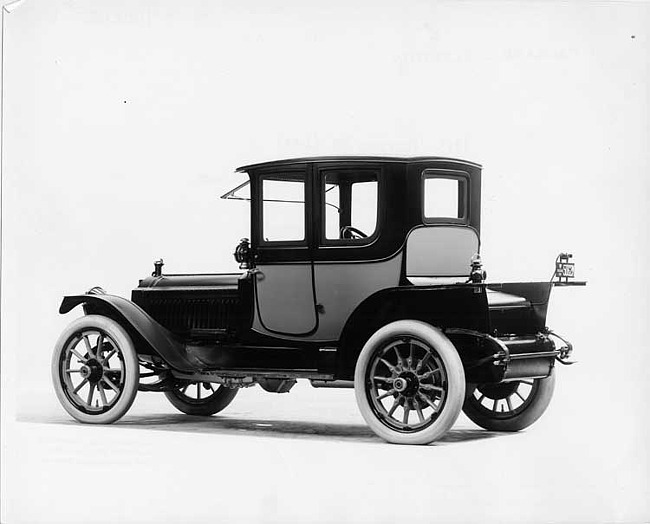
308 160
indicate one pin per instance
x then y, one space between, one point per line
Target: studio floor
308 456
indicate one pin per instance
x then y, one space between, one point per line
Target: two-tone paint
306 308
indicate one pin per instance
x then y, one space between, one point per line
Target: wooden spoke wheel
509 406
201 398
95 370
409 383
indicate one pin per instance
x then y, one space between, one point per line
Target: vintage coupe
360 272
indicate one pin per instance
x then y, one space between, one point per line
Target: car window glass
350 205
441 197
283 209
364 206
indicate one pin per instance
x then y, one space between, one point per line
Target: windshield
241 192
278 194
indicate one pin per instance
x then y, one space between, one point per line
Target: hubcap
92 370
407 383
400 384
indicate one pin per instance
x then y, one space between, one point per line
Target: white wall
124 122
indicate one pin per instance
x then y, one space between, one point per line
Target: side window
444 197
351 205
364 206
283 208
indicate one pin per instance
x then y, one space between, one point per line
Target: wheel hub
92 370
406 384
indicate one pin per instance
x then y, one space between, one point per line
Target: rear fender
454 306
146 333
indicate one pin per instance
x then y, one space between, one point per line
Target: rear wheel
409 383
509 406
95 370
201 398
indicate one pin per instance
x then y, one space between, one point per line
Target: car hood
222 280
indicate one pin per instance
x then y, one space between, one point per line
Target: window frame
463 195
301 175
346 242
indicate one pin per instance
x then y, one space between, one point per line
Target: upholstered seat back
440 251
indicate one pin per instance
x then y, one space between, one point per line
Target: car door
283 277
352 259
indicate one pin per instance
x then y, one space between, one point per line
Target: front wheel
509 406
95 370
201 398
409 383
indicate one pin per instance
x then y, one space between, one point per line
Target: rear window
444 197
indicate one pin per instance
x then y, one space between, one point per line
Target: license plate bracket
565 269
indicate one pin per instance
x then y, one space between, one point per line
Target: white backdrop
124 122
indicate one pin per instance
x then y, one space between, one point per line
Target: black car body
315 288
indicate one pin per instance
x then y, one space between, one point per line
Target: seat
500 300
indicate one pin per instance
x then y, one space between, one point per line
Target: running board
216 375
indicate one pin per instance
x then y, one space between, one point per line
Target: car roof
386 159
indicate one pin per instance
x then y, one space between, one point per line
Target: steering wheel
352 232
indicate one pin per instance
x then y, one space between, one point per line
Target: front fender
138 324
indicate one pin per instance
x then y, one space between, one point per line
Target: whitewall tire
95 370
409 383
201 398
509 406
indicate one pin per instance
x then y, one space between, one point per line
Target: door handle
256 273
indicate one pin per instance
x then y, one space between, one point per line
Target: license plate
566 269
